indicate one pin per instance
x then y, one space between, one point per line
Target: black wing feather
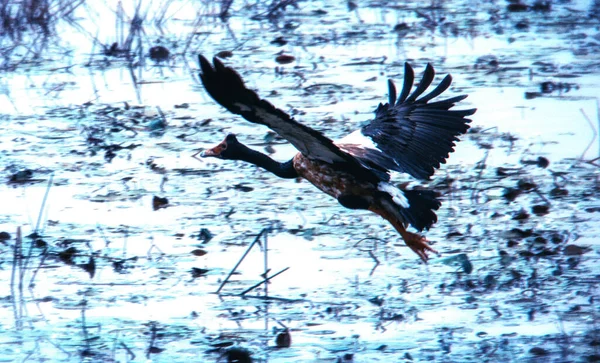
428 76
391 91
409 78
443 86
226 87
416 135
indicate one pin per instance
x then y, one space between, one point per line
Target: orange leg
416 242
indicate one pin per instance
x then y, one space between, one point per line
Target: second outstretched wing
409 134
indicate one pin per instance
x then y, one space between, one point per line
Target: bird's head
229 149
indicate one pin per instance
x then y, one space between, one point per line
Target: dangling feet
418 244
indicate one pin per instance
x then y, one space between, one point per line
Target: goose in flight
409 134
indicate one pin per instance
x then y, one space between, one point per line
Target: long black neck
283 170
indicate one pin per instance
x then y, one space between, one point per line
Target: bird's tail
421 206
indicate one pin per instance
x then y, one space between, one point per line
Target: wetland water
103 271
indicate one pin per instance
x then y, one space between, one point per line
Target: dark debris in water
159 202
283 339
518 271
460 260
204 235
4 236
238 355
198 272
25 176
159 53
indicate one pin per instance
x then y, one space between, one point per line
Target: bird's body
407 135
325 177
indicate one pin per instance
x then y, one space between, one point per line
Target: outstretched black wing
411 134
226 87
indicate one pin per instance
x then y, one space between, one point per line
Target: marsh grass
27 28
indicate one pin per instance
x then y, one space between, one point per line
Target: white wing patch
357 138
397 195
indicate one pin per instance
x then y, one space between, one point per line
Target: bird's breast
331 180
